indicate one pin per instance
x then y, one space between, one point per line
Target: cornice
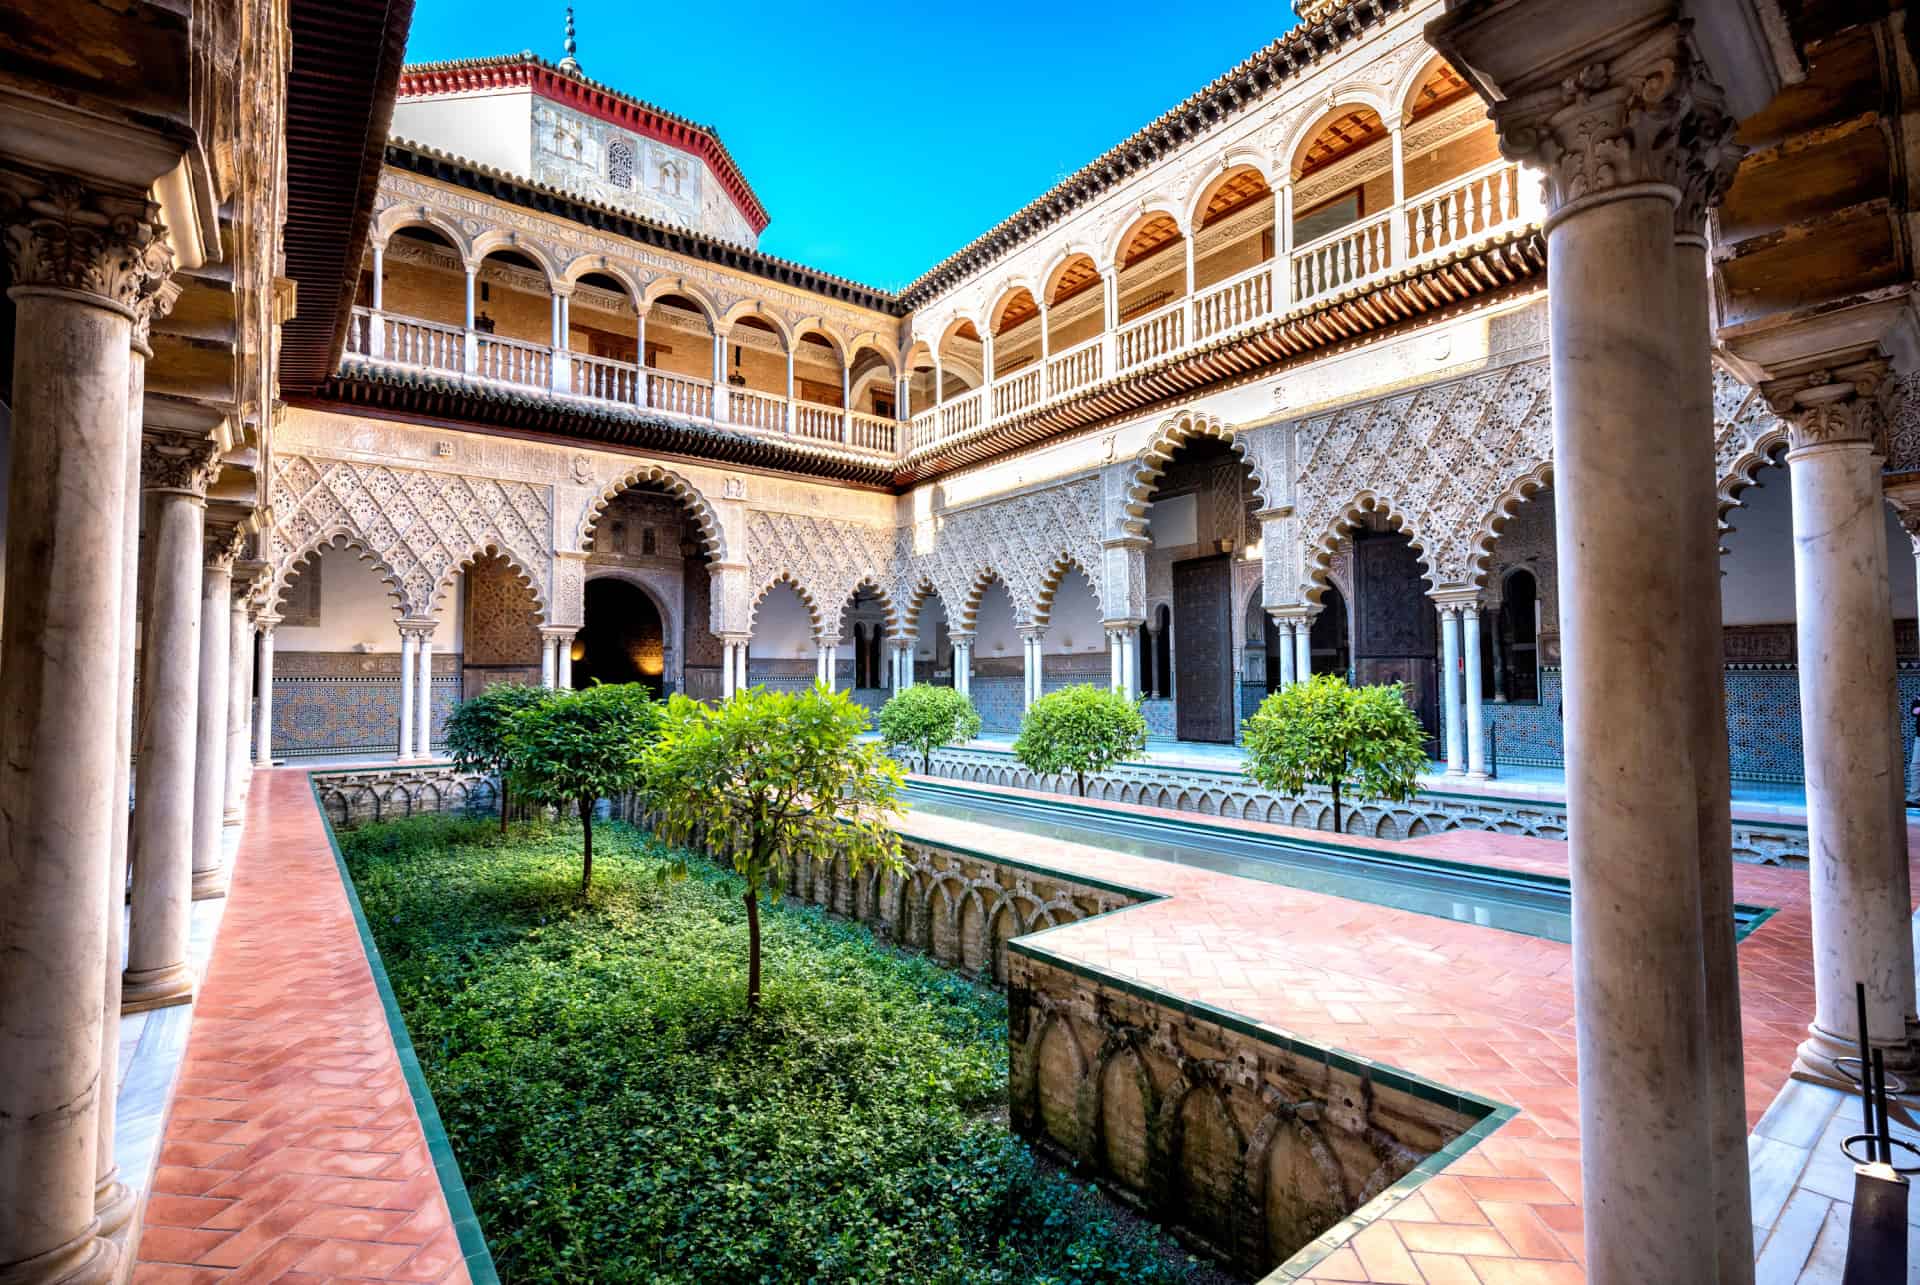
1229 94
469 75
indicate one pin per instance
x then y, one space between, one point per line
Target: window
620 164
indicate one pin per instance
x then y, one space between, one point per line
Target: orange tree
1324 732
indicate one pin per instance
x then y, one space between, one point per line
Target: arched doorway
1396 633
1329 640
624 639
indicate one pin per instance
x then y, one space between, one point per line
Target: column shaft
563 662
60 683
1626 596
157 972
239 698
1302 650
210 726
423 700
726 671
1475 714
409 643
263 719
1284 639
1452 725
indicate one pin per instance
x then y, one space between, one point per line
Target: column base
1815 1060
113 1204
1479 776
159 988
87 1259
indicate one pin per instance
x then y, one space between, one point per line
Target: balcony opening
818 371
1153 267
1235 228
601 321
1076 304
960 361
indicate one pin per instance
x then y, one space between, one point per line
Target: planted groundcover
617 1116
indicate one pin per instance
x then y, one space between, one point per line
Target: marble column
1283 631
743 680
1452 722
563 661
176 469
824 650
239 699
962 661
1858 855
1130 660
423 694
547 671
1474 710
263 717
1115 681
85 264
726 668
224 541
1034 666
409 651
1303 648
1626 544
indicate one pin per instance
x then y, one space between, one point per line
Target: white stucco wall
492 127
355 608
782 628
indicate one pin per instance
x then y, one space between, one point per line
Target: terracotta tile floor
292 1151
1475 1008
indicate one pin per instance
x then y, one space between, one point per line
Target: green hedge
618 1118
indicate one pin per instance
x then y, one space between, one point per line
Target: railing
921 429
422 343
873 433
1076 368
1016 392
605 380
1344 257
757 410
679 394
1155 335
1233 303
514 361
959 414
823 423
1473 206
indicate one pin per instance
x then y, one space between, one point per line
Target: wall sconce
578 651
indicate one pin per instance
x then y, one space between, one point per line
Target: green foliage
1366 740
617 1120
1080 730
477 730
925 717
771 774
576 748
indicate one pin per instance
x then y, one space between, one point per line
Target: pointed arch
912 600
712 537
1518 492
866 581
1050 581
338 536
983 580
1356 513
1173 433
489 548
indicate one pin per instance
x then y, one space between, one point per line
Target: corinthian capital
226 542
1826 406
178 462
64 234
1646 116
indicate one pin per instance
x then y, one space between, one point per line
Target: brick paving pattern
292 1152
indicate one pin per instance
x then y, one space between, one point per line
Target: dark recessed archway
623 641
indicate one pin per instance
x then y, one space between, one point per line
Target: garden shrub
1365 740
619 1119
924 717
1080 731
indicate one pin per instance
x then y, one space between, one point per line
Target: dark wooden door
1203 649
1395 635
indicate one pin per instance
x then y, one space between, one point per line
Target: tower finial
570 63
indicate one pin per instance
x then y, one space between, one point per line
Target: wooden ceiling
1019 307
1240 187
1440 87
1345 132
1077 274
1151 237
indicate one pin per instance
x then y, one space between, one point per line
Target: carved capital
65 234
225 543
178 462
1822 407
423 630
1646 117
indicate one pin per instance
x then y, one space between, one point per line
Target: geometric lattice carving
417 526
1746 434
823 558
1437 460
1026 541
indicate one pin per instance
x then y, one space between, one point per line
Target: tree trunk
753 950
1080 783
1338 828
586 826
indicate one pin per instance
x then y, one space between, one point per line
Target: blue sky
883 137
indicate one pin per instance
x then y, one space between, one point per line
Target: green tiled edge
1784 827
466 1224
1747 919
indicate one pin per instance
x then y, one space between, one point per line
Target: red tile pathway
292 1151
1475 1008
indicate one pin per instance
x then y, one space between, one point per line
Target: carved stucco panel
418 525
1022 540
